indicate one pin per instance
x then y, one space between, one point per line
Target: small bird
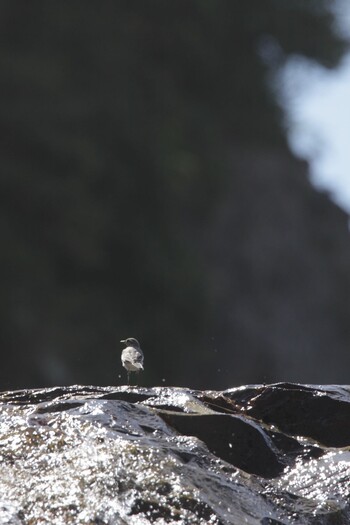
132 356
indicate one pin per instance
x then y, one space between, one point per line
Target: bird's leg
128 372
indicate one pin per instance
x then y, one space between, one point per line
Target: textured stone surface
275 454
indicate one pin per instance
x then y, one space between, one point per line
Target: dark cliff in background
147 190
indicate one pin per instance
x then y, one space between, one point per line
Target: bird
132 356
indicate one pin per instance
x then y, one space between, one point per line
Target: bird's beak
122 341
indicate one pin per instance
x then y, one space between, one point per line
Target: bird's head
131 341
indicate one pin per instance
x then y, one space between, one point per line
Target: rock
259 455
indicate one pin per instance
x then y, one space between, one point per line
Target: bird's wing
139 358
132 354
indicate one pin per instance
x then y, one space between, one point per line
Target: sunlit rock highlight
256 455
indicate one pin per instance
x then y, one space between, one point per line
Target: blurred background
156 181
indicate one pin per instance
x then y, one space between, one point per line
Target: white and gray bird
132 356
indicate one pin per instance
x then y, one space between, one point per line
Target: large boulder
261 454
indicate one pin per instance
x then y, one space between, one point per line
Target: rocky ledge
261 454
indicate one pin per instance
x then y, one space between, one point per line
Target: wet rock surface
261 454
